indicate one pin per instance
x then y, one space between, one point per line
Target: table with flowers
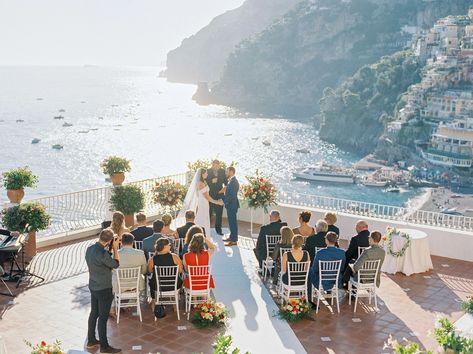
407 251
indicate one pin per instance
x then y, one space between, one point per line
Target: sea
132 112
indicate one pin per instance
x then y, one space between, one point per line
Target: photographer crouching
100 264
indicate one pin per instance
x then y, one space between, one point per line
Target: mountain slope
285 69
202 56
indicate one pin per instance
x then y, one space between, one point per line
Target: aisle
252 323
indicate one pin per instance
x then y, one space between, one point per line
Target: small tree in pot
16 180
27 217
115 167
128 199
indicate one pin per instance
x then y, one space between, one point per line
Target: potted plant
128 199
115 167
16 180
27 217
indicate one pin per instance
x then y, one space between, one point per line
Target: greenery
115 164
408 348
207 163
128 199
19 178
44 348
355 114
448 339
26 217
467 305
222 345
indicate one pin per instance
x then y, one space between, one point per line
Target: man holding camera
100 264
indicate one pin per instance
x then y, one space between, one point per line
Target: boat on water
325 173
58 147
303 151
35 141
59 117
266 143
370 182
20 120
67 124
62 110
392 190
83 131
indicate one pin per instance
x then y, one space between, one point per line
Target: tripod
23 272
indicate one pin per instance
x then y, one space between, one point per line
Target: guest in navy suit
330 253
232 204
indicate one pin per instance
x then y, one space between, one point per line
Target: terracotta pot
117 178
15 195
129 220
30 248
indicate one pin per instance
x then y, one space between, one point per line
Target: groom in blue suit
232 204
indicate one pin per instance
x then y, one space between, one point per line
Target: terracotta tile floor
58 308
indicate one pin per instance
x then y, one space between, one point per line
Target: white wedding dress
202 216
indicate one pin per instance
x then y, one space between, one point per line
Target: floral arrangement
44 348
387 240
31 214
169 193
115 164
259 192
210 313
467 305
295 309
19 178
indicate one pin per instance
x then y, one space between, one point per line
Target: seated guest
150 241
286 242
130 258
273 228
167 231
372 253
317 240
359 240
190 217
198 256
190 233
118 224
331 253
304 228
141 231
331 219
162 258
296 254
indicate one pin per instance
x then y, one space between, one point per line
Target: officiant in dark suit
216 180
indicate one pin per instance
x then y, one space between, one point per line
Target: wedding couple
224 192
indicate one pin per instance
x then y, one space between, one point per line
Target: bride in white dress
198 199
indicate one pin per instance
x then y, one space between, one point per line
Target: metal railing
88 208
380 211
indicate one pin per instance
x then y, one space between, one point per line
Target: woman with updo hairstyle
167 231
118 224
304 228
285 242
193 230
296 254
198 256
331 219
163 257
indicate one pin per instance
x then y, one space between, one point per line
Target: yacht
370 182
35 141
67 124
325 173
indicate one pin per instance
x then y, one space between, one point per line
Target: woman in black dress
294 255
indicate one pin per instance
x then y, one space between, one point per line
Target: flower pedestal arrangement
169 195
16 180
209 314
129 199
115 167
27 217
259 192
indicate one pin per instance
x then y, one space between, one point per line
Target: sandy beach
441 198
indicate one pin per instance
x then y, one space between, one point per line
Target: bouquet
44 348
295 309
210 313
169 193
259 192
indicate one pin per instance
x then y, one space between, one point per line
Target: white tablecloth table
416 259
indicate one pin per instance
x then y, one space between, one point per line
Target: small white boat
67 124
39 99
325 173
303 151
19 120
393 190
35 141
83 131
62 110
58 147
266 143
59 117
373 183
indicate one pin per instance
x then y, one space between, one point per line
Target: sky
100 32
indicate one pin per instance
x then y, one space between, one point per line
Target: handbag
159 311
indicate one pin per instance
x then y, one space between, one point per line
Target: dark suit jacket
182 231
335 229
360 240
5 232
231 195
327 254
142 232
216 187
317 240
273 228
149 243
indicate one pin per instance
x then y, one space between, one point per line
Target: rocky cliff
285 68
202 56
